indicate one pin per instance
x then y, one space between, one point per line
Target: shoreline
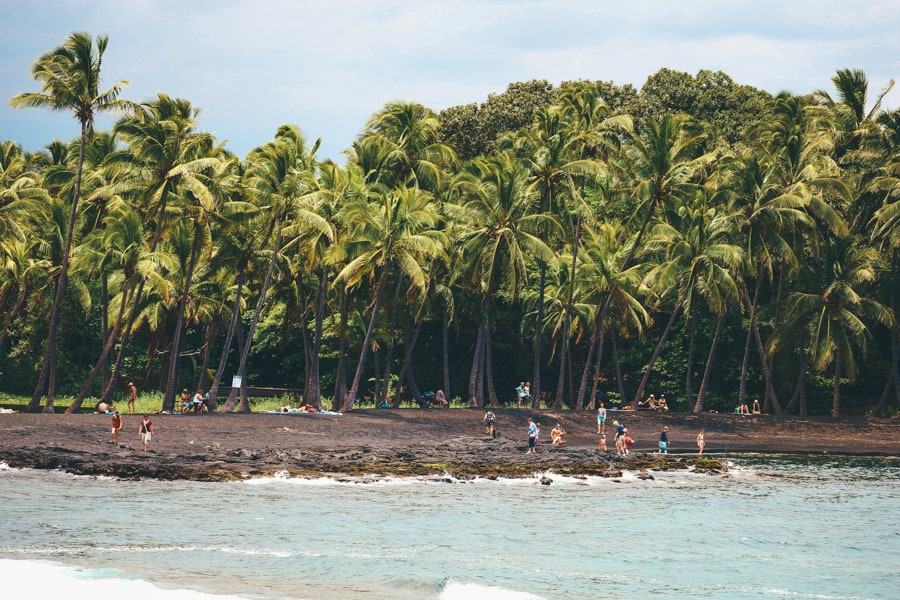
418 443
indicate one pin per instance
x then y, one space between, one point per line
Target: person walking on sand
664 440
146 431
115 427
601 419
532 436
701 443
132 397
488 420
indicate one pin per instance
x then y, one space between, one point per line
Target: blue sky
327 66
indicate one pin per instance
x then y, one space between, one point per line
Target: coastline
422 443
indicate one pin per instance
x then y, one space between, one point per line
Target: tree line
697 236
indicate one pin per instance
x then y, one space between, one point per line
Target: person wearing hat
132 397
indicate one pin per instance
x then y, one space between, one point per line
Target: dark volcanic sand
413 442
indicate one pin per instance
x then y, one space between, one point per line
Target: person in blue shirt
532 436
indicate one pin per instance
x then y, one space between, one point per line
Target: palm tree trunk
473 374
538 336
340 384
315 389
370 330
49 353
692 345
704 384
489 368
836 400
229 405
656 352
619 381
799 388
136 305
445 350
745 365
588 364
169 398
104 326
226 347
107 347
392 327
411 338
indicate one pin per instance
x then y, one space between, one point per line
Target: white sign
235 381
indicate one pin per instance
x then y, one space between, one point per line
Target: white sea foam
455 590
37 579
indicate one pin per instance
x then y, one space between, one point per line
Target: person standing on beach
146 431
664 441
601 419
115 427
132 397
526 397
520 394
532 436
701 443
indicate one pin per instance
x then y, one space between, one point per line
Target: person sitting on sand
440 399
186 403
198 401
743 409
661 404
756 409
556 435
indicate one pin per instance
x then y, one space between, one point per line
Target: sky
328 65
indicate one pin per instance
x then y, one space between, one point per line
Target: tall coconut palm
700 267
163 157
279 174
502 233
70 80
395 232
766 216
836 312
409 151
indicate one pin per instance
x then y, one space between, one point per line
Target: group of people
145 430
743 410
652 403
523 394
197 403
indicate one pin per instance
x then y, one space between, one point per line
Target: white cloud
251 65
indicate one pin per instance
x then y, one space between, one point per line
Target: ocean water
822 528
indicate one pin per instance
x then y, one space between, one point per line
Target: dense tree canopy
698 237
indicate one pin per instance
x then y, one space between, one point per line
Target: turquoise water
777 528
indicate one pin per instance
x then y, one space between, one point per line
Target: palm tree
700 266
408 152
835 311
164 156
394 233
766 216
501 233
70 81
279 173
